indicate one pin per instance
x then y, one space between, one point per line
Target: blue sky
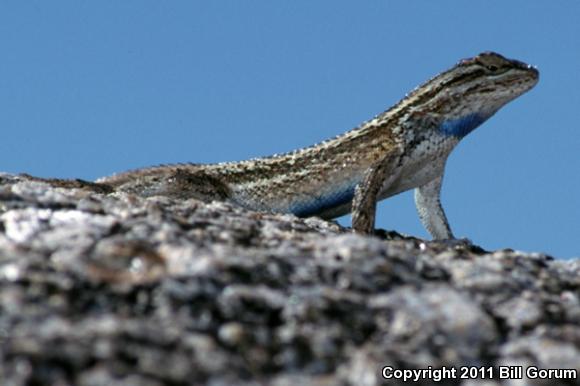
92 88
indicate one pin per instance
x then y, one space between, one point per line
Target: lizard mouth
534 72
520 79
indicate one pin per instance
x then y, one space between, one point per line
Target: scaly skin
402 148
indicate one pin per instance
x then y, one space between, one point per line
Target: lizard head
491 79
475 88
494 74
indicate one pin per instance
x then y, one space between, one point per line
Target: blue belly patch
460 127
324 202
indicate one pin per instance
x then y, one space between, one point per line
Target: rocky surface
111 289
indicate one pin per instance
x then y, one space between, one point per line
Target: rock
101 288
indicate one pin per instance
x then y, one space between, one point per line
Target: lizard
402 148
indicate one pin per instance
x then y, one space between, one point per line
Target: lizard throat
460 127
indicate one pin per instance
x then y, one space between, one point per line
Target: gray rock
111 289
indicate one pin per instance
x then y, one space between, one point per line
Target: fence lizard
403 148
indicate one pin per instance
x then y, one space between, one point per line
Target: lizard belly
414 172
331 200
329 204
326 200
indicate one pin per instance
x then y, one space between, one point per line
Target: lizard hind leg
179 183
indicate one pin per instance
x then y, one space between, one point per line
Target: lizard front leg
364 203
428 203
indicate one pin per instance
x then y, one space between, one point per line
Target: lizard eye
492 68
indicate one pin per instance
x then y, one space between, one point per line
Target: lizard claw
461 244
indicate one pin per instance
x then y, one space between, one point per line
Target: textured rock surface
100 289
